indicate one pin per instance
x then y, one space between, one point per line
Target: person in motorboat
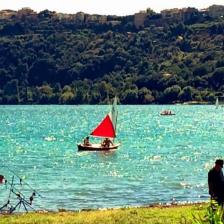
106 143
86 141
167 112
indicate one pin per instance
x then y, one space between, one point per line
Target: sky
105 7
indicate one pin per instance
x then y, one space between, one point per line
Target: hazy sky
105 7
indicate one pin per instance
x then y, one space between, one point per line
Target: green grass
181 214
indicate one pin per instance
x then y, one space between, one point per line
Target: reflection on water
161 158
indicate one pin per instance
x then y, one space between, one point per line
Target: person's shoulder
211 170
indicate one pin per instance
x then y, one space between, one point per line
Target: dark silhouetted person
216 182
106 143
86 141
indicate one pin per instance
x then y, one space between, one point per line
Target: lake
162 159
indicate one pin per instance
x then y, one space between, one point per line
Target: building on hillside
113 22
79 17
179 14
5 14
139 19
26 11
172 14
95 19
189 13
129 34
91 18
203 12
60 16
216 11
64 16
102 19
47 14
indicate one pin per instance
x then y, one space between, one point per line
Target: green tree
67 96
145 96
186 94
11 92
217 77
46 94
42 70
130 96
171 94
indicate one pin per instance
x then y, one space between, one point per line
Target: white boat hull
96 147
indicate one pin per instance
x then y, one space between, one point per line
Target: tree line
46 61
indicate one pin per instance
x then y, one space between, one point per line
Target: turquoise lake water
161 159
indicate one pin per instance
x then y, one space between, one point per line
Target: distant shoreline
176 103
197 103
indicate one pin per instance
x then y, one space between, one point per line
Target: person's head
87 137
219 164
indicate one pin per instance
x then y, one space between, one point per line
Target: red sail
105 129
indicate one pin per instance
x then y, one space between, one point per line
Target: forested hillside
48 59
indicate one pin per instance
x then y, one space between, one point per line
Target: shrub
214 215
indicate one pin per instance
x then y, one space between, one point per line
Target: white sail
217 103
114 113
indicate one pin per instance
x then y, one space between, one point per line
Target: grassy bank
152 215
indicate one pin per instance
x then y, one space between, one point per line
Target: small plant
214 215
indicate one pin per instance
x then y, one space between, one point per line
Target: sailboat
217 103
105 129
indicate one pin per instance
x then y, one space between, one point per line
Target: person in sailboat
86 141
107 143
